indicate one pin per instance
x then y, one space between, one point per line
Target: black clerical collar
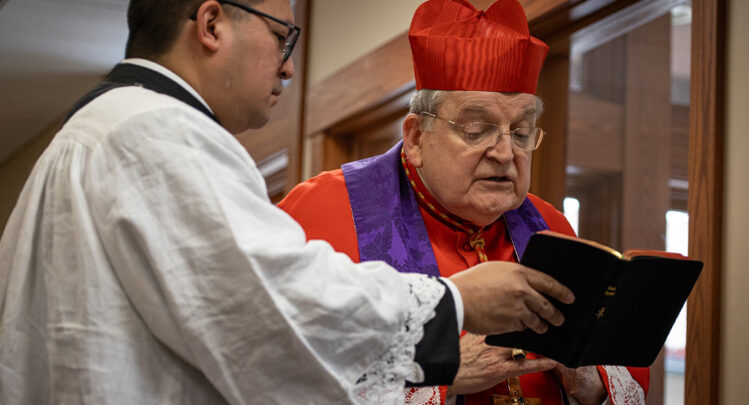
126 74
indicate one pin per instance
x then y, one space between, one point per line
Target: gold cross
516 395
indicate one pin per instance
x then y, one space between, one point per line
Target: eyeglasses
485 134
286 44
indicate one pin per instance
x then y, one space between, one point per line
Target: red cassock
321 206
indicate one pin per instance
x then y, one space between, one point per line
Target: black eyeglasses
285 43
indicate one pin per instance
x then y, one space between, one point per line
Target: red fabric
456 47
321 206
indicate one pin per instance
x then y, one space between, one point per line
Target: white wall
735 330
344 30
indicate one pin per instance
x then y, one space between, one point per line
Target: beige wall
344 30
735 334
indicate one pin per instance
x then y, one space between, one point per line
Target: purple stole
389 226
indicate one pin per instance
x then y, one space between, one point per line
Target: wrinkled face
478 184
252 81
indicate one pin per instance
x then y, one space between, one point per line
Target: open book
625 304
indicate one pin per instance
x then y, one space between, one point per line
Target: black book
625 304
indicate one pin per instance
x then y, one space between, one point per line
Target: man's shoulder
132 114
326 187
542 205
321 206
556 220
130 103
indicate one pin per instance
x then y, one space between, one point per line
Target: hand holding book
625 304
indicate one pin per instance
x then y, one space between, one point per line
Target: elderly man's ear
412 131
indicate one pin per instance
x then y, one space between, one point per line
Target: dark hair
154 25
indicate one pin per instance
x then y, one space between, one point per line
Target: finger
531 320
563 372
541 306
532 366
564 369
472 338
548 285
544 308
515 325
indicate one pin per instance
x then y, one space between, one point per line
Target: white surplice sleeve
226 280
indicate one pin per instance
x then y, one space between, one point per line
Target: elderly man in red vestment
458 183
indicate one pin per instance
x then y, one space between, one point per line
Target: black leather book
625 304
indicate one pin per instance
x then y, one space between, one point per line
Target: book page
633 253
585 241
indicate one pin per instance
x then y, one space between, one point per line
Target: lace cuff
623 389
422 396
384 380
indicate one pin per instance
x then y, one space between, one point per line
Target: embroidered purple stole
389 226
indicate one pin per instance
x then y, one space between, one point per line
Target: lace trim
422 396
623 389
384 380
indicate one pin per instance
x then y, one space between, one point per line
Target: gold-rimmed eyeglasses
486 134
286 43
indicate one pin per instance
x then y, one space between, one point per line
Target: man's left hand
483 366
583 383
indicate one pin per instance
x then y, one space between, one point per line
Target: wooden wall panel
559 24
645 191
595 133
365 84
601 194
548 179
679 157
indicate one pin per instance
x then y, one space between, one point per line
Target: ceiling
51 53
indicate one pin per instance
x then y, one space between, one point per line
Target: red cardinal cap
456 47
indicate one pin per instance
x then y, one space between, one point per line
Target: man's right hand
501 297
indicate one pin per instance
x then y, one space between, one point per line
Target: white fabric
168 73
422 396
144 264
623 388
458 302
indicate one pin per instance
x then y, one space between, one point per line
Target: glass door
627 145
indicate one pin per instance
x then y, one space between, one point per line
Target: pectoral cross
516 395
513 387
599 315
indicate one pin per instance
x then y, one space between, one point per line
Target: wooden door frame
705 204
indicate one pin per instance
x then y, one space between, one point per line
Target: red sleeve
558 223
321 206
